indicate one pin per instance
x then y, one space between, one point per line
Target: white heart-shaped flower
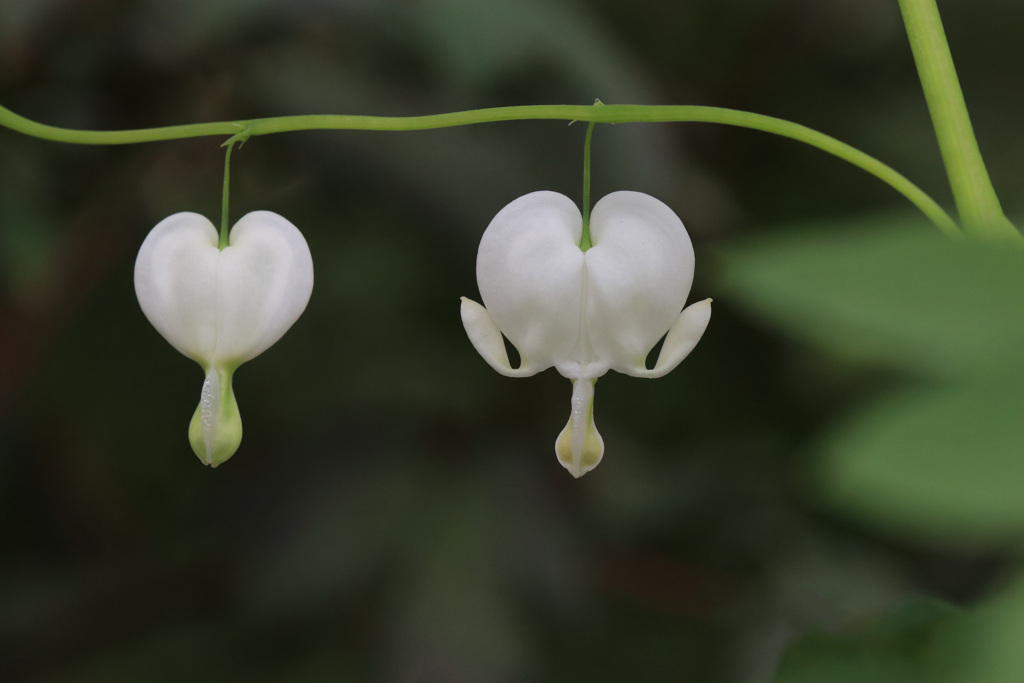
222 307
585 312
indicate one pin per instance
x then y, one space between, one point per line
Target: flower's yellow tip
580 447
590 455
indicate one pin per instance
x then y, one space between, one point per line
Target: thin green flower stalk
585 241
600 113
226 196
975 197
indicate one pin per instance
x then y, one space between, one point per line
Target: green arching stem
230 144
976 200
585 242
608 113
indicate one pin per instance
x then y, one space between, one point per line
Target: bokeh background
396 512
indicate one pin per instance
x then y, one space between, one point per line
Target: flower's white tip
487 340
681 339
579 446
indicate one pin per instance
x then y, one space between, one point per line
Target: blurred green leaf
475 44
941 463
984 645
924 641
894 649
889 289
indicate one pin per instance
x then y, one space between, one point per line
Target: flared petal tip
589 456
681 339
487 340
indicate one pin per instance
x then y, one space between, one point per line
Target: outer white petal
175 281
486 339
264 282
681 338
530 272
639 273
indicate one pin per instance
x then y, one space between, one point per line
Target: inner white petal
583 362
209 409
582 400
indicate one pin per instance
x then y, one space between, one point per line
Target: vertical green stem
976 200
585 242
230 144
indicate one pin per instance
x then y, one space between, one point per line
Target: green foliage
983 645
894 649
923 641
939 463
940 460
888 288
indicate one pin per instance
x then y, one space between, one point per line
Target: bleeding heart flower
584 312
222 307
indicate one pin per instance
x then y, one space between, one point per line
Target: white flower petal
529 269
486 339
175 281
681 339
264 283
640 271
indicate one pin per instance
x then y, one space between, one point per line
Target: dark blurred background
396 511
